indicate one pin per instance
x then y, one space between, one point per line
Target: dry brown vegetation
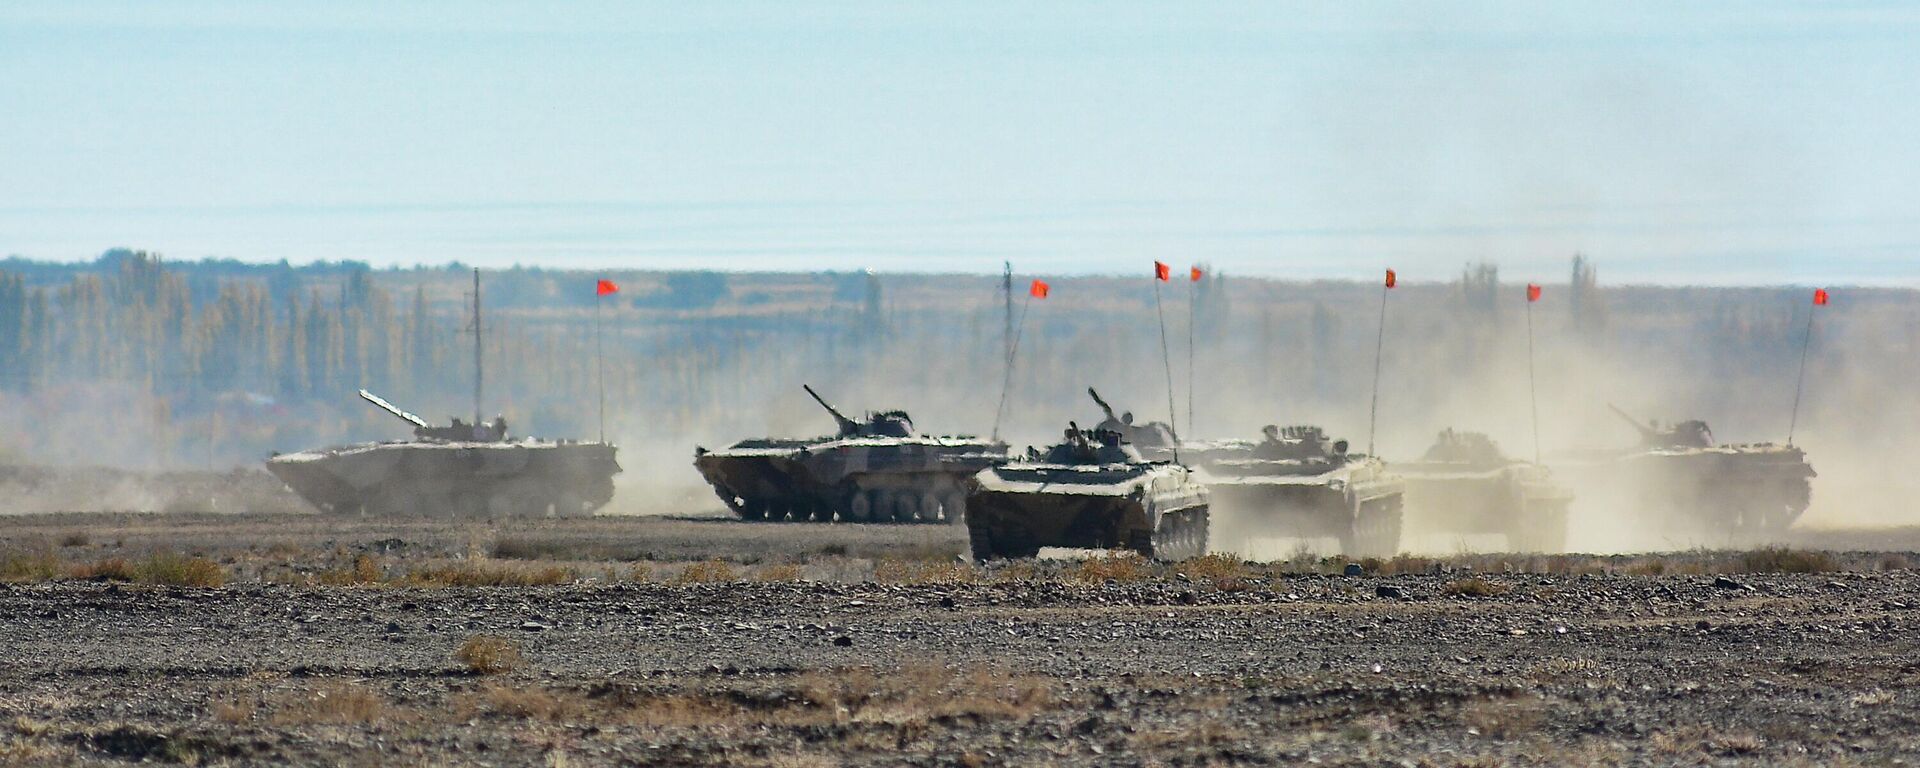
1474 586
1119 565
338 703
486 574
705 572
488 655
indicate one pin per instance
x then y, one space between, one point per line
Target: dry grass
76 539
107 569
705 572
640 572
333 704
232 711
530 704
779 573
1784 560
365 570
1503 719
174 570
1118 565
487 574
1474 586
37 564
1224 572
488 655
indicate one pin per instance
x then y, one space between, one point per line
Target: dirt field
621 641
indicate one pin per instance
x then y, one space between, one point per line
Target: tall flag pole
1379 341
1533 390
1193 290
1806 341
1038 290
600 291
1163 273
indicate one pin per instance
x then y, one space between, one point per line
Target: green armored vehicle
1294 483
1092 491
1682 485
875 469
1465 485
458 471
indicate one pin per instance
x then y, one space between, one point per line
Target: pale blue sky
1730 143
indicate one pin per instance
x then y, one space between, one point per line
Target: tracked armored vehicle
1294 483
1093 490
875 469
457 471
1683 485
1465 485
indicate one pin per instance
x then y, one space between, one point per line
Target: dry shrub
531 704
1474 586
487 574
778 573
29 565
915 695
336 704
1226 572
1017 570
488 655
1119 565
108 569
232 711
640 572
890 571
705 572
76 539
175 570
1785 560
363 571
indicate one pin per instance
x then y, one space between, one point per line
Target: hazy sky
1737 142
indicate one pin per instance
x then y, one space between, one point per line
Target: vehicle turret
876 424
1686 434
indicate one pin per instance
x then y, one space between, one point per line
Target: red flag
605 287
1533 292
1039 289
1162 272
1819 297
1196 275
1392 279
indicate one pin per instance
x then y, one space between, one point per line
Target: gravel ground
1777 669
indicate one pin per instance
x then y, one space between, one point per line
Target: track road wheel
905 507
777 511
953 508
929 507
860 507
752 509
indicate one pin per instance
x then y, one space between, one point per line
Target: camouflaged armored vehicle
875 469
1093 490
462 470
1465 485
1682 484
1295 483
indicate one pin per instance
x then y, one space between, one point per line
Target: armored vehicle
874 469
461 470
1681 482
1465 485
1293 483
1093 490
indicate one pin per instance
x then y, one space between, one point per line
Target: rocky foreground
1415 669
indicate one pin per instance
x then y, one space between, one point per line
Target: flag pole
1013 349
1193 292
1379 341
1806 341
599 362
1167 359
1533 392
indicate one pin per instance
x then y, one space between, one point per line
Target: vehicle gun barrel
1103 404
1645 431
846 424
416 421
